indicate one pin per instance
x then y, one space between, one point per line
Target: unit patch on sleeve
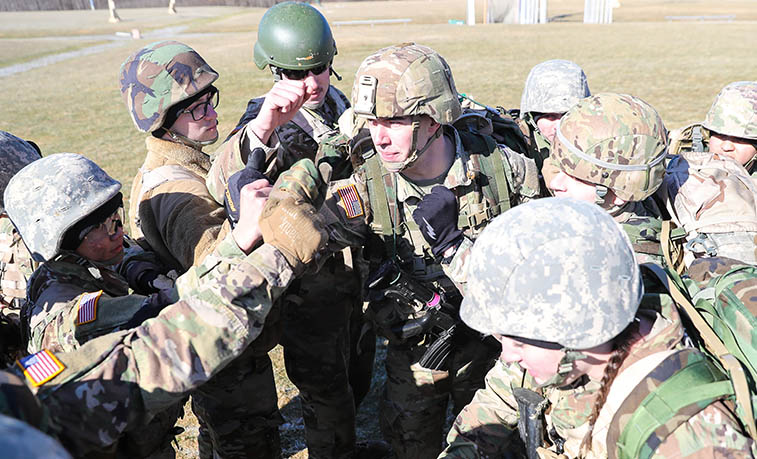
350 201
40 367
87 308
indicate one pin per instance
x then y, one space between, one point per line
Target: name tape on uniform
350 201
40 367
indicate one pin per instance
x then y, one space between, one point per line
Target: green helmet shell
613 140
294 36
51 195
16 153
159 76
554 269
406 80
734 112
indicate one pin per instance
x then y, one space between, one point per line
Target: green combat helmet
734 112
16 153
553 86
51 195
406 80
614 141
159 76
293 36
539 271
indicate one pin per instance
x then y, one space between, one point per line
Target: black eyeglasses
302 74
200 111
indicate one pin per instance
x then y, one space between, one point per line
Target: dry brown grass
76 106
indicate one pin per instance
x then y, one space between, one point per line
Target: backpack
724 329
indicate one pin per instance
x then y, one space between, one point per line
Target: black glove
436 216
252 171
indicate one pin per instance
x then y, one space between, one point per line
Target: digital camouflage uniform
553 86
535 272
20 440
16 264
617 143
415 400
322 333
173 211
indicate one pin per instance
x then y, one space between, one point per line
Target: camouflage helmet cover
614 140
553 86
159 76
19 439
406 80
51 195
734 112
294 36
540 272
16 154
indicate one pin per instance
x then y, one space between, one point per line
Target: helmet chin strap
415 152
196 144
564 368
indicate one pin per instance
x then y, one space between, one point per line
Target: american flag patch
87 308
40 367
351 201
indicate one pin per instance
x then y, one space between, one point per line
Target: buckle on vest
480 217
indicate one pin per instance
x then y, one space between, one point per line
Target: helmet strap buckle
601 194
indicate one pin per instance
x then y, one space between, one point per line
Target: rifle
390 281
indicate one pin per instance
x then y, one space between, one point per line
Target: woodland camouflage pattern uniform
16 264
414 80
173 211
617 142
322 330
553 86
561 299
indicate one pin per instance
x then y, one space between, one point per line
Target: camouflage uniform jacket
16 265
170 207
293 141
71 300
120 380
350 212
487 427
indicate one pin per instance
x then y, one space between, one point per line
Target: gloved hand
290 221
436 216
253 171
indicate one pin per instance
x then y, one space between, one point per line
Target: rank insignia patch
353 207
87 311
40 367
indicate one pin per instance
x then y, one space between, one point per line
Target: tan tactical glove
290 221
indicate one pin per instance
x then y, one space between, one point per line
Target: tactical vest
16 266
491 177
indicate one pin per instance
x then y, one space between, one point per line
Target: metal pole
471 12
542 11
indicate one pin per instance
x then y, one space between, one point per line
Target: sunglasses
302 74
200 111
108 228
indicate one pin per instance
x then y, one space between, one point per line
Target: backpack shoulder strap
380 188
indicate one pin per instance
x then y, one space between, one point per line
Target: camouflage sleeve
186 219
525 175
713 432
119 381
485 427
346 213
456 268
231 157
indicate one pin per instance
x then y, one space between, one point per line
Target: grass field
75 105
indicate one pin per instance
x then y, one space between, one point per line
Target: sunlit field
74 105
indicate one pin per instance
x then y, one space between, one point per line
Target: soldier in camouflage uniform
552 88
729 129
295 42
16 264
168 90
419 168
579 337
89 397
610 149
